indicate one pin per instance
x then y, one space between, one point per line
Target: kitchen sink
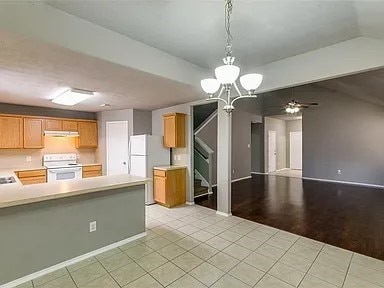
7 180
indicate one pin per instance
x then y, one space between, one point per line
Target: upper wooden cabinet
53 125
174 130
69 125
11 132
87 134
33 133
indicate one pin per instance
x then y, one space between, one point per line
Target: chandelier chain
228 12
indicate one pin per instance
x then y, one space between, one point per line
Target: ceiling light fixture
72 97
227 74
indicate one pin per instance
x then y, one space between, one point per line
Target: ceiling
264 31
33 73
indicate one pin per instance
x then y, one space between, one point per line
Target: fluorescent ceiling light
72 97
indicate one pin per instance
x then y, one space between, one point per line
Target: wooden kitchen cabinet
169 186
33 133
87 134
174 130
11 132
53 125
69 125
93 170
28 177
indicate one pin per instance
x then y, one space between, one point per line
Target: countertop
16 194
91 164
169 167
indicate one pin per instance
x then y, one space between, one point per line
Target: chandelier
227 74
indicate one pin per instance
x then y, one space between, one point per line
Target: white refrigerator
146 151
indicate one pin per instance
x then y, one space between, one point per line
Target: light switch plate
92 226
29 158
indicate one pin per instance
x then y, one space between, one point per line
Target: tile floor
191 246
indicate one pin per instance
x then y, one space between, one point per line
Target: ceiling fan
294 106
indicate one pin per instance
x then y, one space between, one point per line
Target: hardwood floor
347 216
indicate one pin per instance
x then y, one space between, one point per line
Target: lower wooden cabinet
28 177
169 186
92 171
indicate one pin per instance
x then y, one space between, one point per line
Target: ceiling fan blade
309 104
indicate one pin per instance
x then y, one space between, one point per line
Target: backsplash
17 158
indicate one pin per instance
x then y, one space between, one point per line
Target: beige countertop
169 167
25 168
17 194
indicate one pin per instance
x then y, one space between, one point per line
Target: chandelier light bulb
251 81
227 74
210 85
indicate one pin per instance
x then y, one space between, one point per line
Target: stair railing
203 155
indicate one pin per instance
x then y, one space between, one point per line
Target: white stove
62 167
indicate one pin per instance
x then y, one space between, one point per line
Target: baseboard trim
259 173
61 265
344 182
242 178
223 214
190 203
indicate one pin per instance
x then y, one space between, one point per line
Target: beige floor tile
218 243
270 251
160 230
310 243
145 281
354 282
314 282
167 273
176 224
105 281
150 235
269 281
174 235
246 273
337 252
138 251
287 236
230 236
186 281
259 236
242 229
115 261
188 229
81 264
201 224
259 261
108 253
214 229
207 273
216 219
237 251
25 285
249 243
279 243
49 277
157 243
296 261
187 261
171 251
303 251
61 282
151 261
367 274
127 273
368 262
88 273
225 224
223 261
267 229
202 235
188 219
227 281
333 261
287 274
204 251
131 244
327 274
188 243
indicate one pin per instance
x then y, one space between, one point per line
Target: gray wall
291 126
257 147
42 111
37 236
142 122
281 148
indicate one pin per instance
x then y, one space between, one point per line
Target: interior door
296 150
117 147
272 159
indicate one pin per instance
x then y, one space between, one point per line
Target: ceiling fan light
210 85
296 109
227 74
251 81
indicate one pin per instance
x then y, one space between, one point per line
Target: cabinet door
69 125
159 186
53 125
11 132
87 135
33 133
169 131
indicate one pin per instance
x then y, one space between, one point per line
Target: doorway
272 160
117 142
296 150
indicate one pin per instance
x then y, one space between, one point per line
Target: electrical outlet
29 158
249 145
92 226
179 157
339 172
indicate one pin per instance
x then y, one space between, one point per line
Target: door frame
290 149
269 150
107 142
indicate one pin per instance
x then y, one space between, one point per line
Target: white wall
291 126
281 145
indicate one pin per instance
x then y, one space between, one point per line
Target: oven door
57 174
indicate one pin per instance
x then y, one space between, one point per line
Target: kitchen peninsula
63 222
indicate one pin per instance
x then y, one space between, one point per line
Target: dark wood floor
347 216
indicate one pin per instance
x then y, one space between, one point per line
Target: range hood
61 133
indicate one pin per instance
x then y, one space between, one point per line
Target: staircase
199 189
